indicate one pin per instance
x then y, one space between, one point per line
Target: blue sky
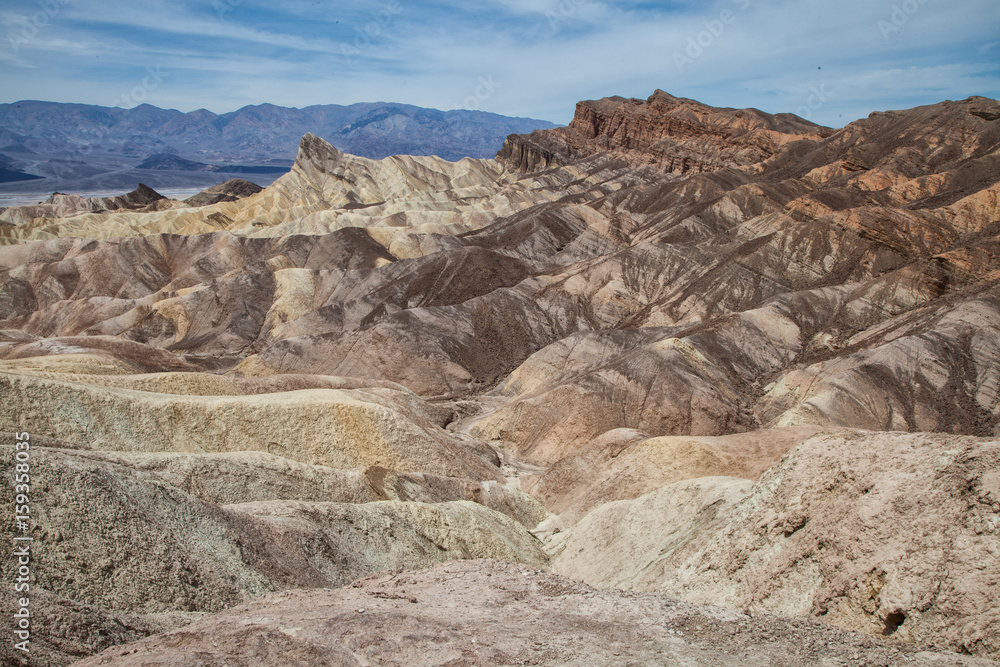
832 62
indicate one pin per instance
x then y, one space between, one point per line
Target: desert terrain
674 384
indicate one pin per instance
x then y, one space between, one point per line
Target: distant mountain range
257 133
86 146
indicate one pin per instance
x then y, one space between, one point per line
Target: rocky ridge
231 190
678 135
61 205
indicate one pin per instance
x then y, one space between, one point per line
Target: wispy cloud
178 20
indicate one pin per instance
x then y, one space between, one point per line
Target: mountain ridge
88 148
671 132
80 126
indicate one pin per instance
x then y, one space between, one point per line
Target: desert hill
721 355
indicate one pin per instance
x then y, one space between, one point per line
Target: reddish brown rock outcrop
680 136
